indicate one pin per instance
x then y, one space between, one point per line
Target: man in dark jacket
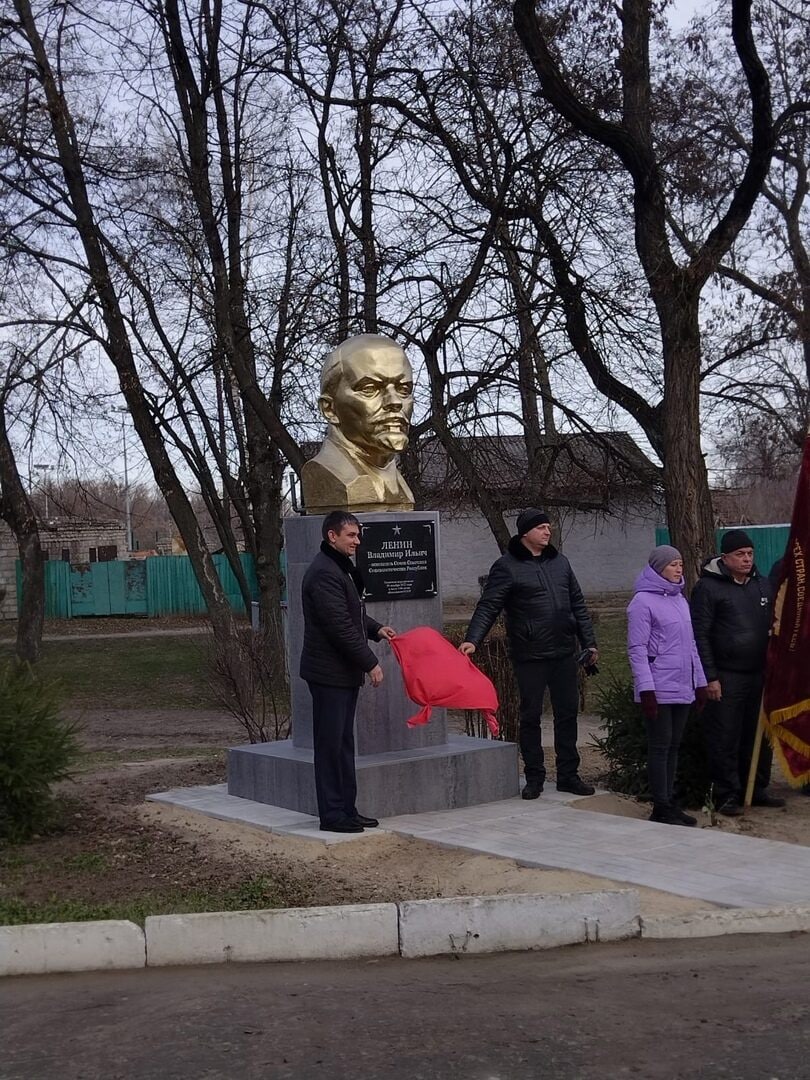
732 606
334 662
546 625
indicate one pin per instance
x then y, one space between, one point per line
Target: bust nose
391 399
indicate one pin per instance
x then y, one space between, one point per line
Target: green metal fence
769 542
159 585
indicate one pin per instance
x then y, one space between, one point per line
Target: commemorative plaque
397 559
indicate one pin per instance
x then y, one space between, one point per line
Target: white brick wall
606 552
8 580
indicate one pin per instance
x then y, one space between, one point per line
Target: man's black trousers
560 676
333 709
731 726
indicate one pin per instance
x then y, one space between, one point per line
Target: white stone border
700 924
504 923
320 933
42 948
462 925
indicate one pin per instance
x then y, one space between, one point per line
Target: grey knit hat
662 556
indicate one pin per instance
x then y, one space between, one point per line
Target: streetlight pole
127 504
45 469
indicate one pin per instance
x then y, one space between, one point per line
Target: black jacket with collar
546 617
731 622
336 626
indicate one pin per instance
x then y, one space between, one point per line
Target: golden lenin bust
367 400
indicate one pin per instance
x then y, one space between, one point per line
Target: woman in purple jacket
667 672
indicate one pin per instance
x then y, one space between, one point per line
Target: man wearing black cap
547 624
731 615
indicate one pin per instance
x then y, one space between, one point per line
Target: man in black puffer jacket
335 660
732 607
546 625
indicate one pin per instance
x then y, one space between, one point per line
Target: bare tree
623 121
65 150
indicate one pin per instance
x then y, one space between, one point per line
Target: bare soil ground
119 855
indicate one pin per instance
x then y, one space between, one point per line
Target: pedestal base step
461 772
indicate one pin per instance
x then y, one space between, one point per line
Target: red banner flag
786 700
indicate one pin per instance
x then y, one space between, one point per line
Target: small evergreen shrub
37 748
624 747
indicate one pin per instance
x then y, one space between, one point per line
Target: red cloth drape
436 673
786 700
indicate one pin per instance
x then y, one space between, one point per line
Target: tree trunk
686 482
19 514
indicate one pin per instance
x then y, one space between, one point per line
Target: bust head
367 394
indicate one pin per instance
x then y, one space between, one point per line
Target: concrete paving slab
549 833
214 801
706 864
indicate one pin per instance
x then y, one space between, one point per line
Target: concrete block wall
77 536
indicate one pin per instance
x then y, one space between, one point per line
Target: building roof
583 470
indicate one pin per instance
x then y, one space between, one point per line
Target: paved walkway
119 635
705 864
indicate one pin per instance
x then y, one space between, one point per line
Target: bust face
372 403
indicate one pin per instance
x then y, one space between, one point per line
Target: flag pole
752 771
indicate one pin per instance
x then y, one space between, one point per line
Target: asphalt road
720 1008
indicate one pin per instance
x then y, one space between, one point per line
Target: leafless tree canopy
560 213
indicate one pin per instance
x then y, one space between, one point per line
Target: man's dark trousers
333 709
560 676
731 727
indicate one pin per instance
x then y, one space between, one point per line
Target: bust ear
326 405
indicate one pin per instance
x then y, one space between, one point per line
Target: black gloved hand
649 704
585 660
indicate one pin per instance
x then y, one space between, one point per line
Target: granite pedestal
400 770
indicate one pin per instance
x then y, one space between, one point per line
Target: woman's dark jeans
663 740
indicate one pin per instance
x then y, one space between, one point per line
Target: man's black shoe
768 800
533 789
730 808
344 825
576 786
683 817
366 822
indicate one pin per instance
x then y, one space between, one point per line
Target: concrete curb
323 933
464 925
41 948
486 924
700 924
